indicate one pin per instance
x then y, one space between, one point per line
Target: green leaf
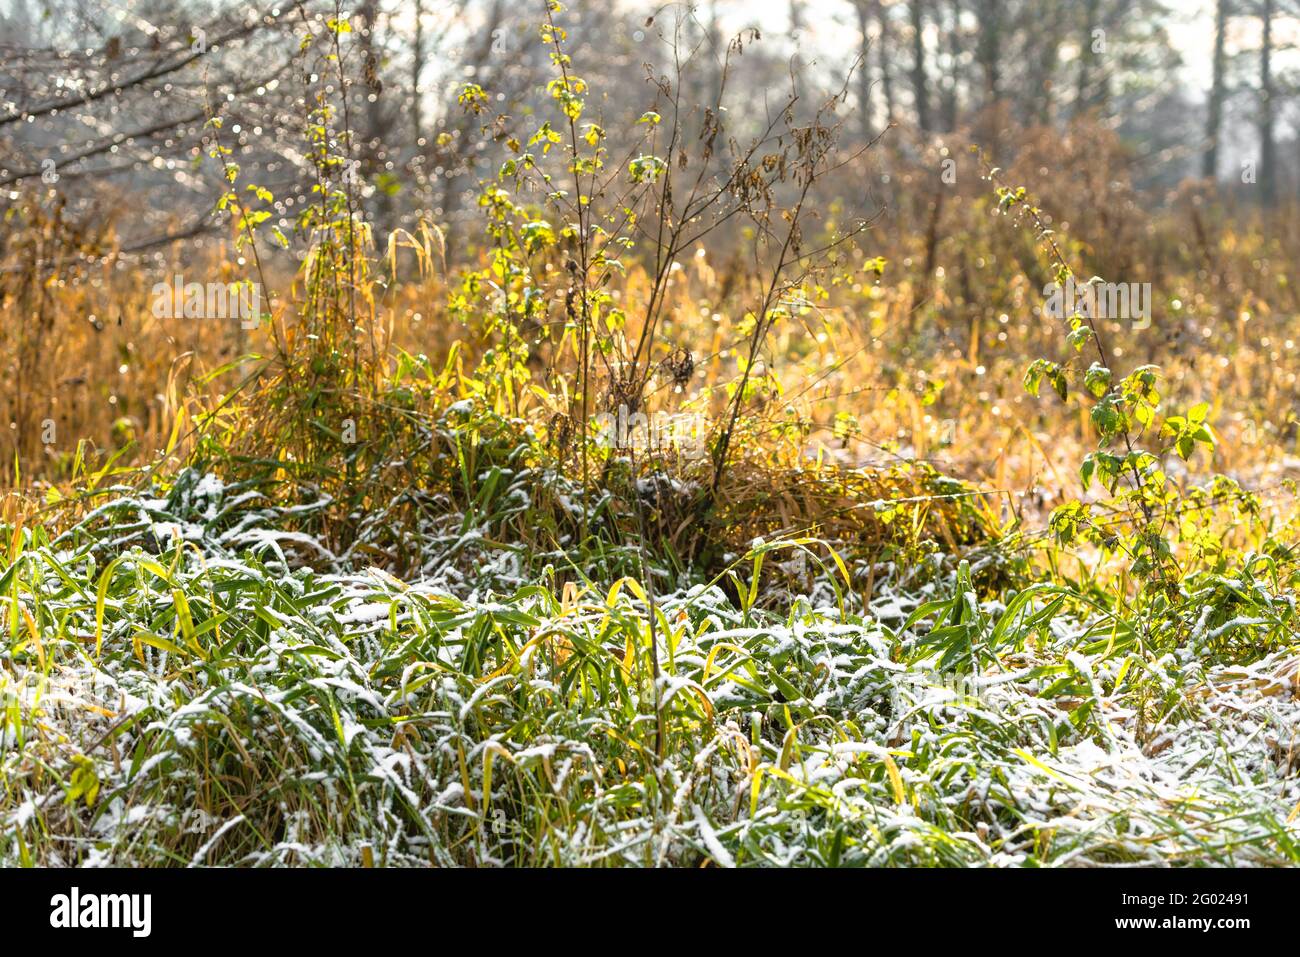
1097 380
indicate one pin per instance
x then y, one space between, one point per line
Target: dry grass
319 646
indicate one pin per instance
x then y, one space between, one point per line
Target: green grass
204 702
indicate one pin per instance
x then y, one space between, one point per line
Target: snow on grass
239 709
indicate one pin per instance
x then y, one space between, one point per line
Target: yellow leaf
895 780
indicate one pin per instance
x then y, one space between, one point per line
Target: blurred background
1160 138
112 95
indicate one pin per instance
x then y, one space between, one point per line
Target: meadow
678 512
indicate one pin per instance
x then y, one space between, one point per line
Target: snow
394 717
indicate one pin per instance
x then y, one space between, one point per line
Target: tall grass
201 702
365 587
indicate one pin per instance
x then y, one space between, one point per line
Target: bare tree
417 72
989 49
920 83
866 124
1267 106
1218 93
885 44
951 82
1084 95
1042 46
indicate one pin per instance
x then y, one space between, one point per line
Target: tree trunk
989 50
375 123
1083 95
1214 118
417 68
1267 140
948 98
920 87
796 29
1043 48
882 58
866 112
